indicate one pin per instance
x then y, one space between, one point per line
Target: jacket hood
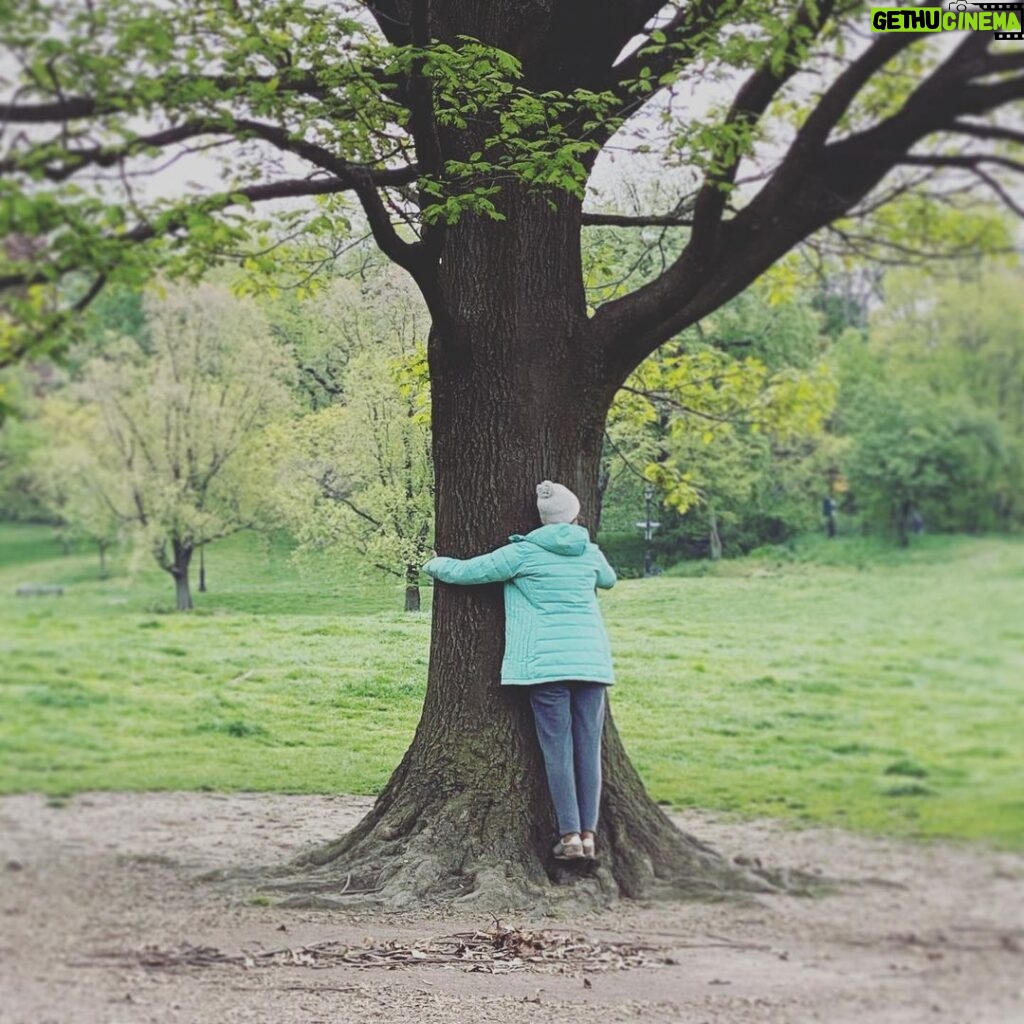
559 538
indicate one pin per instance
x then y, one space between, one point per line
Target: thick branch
836 100
750 104
393 19
815 183
583 40
287 189
979 99
684 34
628 221
72 108
105 156
997 63
422 120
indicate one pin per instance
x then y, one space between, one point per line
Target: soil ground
916 933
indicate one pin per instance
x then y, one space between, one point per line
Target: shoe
571 849
588 848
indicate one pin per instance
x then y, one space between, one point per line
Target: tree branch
836 100
750 104
683 34
393 19
73 108
93 290
634 221
363 181
815 183
997 63
651 61
170 222
986 131
583 39
867 248
104 156
69 109
375 523
979 99
969 161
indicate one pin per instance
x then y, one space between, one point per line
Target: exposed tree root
447 857
434 839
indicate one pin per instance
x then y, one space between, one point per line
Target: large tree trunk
517 398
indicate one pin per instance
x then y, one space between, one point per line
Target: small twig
499 951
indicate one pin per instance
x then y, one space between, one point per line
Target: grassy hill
846 682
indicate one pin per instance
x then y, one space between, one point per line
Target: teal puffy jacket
553 625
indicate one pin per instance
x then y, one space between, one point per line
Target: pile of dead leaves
499 951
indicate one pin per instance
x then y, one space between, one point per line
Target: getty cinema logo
1006 20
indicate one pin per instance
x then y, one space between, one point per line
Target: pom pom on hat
556 504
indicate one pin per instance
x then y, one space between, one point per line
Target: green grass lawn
845 682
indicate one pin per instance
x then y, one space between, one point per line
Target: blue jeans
569 718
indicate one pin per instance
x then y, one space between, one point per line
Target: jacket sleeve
605 573
494 567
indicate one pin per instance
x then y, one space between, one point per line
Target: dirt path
930 934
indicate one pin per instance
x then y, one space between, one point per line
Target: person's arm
494 567
605 573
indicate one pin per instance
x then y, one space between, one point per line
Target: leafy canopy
421 115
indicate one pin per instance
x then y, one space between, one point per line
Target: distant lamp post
648 526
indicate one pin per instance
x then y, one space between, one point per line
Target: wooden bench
36 589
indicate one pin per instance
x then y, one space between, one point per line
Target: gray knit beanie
556 504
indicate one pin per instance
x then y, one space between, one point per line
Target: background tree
357 476
467 132
20 437
930 402
323 330
165 443
911 454
726 420
959 337
63 479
